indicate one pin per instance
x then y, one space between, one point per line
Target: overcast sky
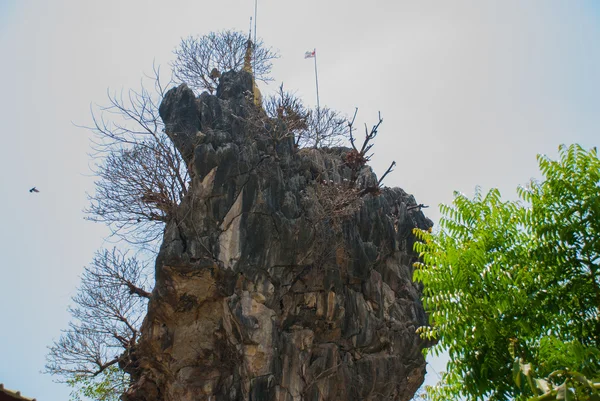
470 92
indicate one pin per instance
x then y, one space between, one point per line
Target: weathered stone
264 291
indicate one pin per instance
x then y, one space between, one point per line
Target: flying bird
34 189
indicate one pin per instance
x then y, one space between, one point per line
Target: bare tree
107 313
201 60
289 109
141 175
356 159
286 116
141 180
328 128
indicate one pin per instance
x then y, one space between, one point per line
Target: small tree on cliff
141 180
201 60
513 290
141 175
310 128
108 309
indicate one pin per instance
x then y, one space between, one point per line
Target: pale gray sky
469 91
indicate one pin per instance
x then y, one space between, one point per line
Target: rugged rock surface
273 282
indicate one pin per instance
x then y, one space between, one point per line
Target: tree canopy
513 287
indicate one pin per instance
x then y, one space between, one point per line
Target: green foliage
561 384
106 386
513 289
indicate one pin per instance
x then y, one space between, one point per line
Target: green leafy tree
107 386
513 288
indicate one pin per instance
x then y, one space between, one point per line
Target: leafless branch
285 116
141 175
107 312
357 159
418 207
201 60
327 128
389 170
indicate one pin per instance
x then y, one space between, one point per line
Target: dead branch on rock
389 170
201 60
356 159
327 128
142 177
338 200
418 207
286 117
288 108
109 308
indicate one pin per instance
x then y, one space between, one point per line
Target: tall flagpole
313 54
316 79
318 106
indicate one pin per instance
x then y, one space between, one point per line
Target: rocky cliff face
275 280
